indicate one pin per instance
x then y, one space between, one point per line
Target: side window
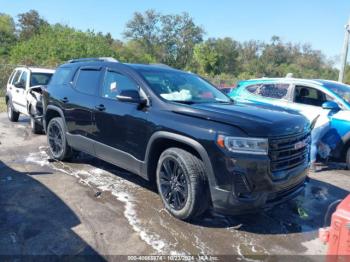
276 91
88 81
114 83
310 96
11 76
23 79
60 76
16 77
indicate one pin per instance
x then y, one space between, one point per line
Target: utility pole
344 54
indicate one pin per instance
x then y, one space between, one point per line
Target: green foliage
30 24
168 39
56 44
152 37
7 34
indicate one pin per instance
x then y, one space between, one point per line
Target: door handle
100 107
17 91
64 100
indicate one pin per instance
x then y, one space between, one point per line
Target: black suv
178 131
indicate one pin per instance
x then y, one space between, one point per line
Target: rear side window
88 81
277 91
16 77
24 78
11 76
61 76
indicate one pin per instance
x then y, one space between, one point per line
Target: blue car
310 98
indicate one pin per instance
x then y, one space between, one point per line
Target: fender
58 110
185 140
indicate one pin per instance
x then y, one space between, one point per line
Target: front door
19 93
120 128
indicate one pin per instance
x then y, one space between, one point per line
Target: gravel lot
89 207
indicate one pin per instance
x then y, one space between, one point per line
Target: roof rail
94 59
160 65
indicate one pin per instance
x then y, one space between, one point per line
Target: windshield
339 89
183 87
38 79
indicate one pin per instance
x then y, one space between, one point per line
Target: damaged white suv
23 94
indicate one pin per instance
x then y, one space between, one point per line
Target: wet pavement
90 207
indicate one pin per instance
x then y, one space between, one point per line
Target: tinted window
88 81
310 96
114 83
39 79
24 78
277 91
61 76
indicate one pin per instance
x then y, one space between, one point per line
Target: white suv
23 95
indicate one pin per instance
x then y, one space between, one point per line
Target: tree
168 38
144 28
56 44
7 34
29 24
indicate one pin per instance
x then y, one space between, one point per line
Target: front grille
289 152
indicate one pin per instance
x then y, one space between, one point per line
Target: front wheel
11 113
56 139
181 183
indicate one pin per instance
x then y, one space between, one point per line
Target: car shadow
305 213
34 221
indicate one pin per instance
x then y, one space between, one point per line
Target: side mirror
19 85
131 96
331 105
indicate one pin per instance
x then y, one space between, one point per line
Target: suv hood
262 121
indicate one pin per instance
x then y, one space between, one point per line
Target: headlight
245 145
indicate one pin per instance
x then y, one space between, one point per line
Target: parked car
310 98
179 132
23 94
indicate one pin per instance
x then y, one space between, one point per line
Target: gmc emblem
300 145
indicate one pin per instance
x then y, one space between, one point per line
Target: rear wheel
181 183
56 139
11 113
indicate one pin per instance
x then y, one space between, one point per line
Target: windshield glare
342 90
183 87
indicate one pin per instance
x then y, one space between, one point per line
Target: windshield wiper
187 102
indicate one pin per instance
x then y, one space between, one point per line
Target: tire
348 158
184 192
56 139
35 126
11 113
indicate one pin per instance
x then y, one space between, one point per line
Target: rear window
61 76
40 79
88 81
